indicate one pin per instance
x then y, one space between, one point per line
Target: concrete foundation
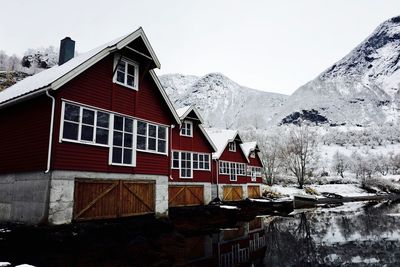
24 197
36 197
206 186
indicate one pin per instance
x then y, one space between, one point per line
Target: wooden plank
253 191
232 193
185 195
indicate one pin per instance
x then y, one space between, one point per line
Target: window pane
141 142
103 119
71 112
120 77
117 155
127 156
117 140
131 69
183 173
70 131
130 81
128 125
87 133
121 66
162 146
183 156
162 132
142 128
201 165
127 140
152 130
175 155
88 116
206 165
195 164
188 174
118 122
152 144
101 136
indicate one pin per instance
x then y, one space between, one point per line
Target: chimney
67 50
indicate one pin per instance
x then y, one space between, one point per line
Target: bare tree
269 146
297 150
340 163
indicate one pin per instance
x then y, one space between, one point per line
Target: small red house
230 162
192 148
89 138
254 168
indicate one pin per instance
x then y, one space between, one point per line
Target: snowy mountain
222 102
360 89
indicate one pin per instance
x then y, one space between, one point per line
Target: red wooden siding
95 87
237 156
24 134
197 143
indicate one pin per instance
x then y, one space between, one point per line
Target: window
201 161
196 161
187 129
122 141
253 154
151 137
186 165
175 160
232 146
232 169
254 172
127 73
85 125
232 175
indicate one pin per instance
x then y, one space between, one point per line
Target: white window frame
184 129
254 172
147 150
111 138
127 62
253 154
190 165
80 124
192 161
232 146
233 169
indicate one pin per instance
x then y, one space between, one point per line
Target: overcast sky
268 45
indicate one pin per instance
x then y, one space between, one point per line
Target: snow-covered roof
182 111
57 76
221 138
248 147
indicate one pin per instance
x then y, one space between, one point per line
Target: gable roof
58 75
184 111
249 147
221 138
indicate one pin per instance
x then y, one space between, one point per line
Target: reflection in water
355 233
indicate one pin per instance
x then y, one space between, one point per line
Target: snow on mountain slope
362 88
222 102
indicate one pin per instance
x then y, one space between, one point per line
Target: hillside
221 101
360 89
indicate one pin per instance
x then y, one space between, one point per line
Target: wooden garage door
101 199
253 191
233 193
185 195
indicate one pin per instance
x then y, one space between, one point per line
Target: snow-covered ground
346 190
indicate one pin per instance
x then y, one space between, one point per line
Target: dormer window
187 129
127 73
232 147
253 154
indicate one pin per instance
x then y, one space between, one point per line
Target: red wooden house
230 177
87 139
254 168
192 148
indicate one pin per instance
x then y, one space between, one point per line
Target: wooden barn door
185 195
103 199
137 198
253 191
233 193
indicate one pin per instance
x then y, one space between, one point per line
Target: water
354 234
